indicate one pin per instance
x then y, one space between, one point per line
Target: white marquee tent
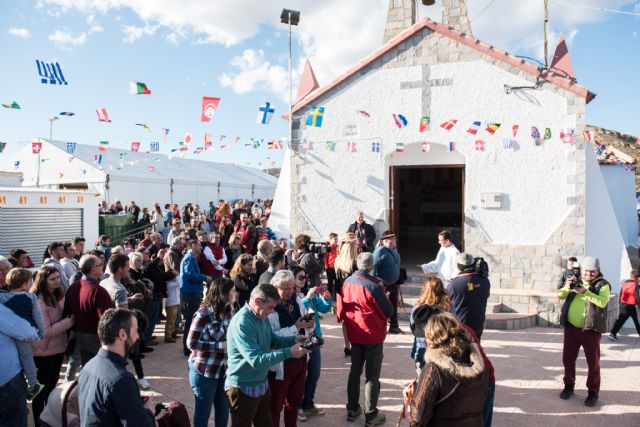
145 178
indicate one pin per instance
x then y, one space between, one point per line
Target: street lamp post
290 17
51 120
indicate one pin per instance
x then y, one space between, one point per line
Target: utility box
491 200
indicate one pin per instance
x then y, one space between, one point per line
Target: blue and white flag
50 73
264 113
154 146
375 146
17 164
71 147
507 143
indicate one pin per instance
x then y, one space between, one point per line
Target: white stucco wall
621 185
533 179
603 237
280 218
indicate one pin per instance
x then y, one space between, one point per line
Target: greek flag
50 73
155 146
71 147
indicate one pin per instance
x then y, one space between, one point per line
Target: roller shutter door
33 229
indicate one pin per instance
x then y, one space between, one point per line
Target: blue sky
236 50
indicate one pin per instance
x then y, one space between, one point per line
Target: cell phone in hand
321 289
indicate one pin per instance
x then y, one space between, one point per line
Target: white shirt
444 264
208 254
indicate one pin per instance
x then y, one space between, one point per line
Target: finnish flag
264 113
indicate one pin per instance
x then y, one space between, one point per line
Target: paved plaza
528 372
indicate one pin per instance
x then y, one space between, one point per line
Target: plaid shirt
207 341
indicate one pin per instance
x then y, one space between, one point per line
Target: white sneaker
301 416
144 384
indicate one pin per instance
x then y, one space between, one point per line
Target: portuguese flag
137 88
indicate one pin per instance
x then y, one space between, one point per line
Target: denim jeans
190 304
208 392
487 411
13 402
313 375
154 312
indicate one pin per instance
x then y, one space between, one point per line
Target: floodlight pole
546 32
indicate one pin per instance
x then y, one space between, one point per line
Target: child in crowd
171 307
433 295
329 263
25 305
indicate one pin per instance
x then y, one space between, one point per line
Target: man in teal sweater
252 348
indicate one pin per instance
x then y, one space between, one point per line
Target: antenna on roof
546 33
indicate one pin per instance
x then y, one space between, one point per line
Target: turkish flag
36 147
209 107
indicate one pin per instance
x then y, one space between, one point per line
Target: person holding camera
286 379
313 263
387 268
364 308
317 300
469 293
573 269
584 318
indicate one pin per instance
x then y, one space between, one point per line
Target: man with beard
108 394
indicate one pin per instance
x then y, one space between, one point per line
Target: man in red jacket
87 301
247 232
364 308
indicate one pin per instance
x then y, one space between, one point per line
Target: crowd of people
249 309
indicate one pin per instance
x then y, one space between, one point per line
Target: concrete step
494 307
509 321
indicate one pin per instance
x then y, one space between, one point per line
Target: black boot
567 392
591 399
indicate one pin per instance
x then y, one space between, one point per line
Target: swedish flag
315 117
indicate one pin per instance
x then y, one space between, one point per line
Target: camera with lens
311 341
577 280
319 248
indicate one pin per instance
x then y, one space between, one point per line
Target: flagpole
290 88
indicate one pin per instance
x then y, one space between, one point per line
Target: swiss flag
135 146
36 147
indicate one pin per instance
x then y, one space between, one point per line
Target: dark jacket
364 308
312 266
448 393
595 318
108 394
469 294
387 265
244 286
266 277
369 235
155 272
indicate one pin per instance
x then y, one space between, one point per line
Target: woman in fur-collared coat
454 382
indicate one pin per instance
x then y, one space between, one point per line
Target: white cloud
335 34
133 33
94 26
22 33
65 40
254 72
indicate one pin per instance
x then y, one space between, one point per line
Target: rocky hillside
628 144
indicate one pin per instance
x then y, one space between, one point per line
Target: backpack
481 267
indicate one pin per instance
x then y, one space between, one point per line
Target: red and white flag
449 124
479 145
135 146
152 169
209 107
102 115
514 129
351 147
36 147
187 138
426 147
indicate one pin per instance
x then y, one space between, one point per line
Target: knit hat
464 260
590 263
421 316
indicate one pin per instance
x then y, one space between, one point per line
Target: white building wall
603 238
333 185
280 218
621 186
